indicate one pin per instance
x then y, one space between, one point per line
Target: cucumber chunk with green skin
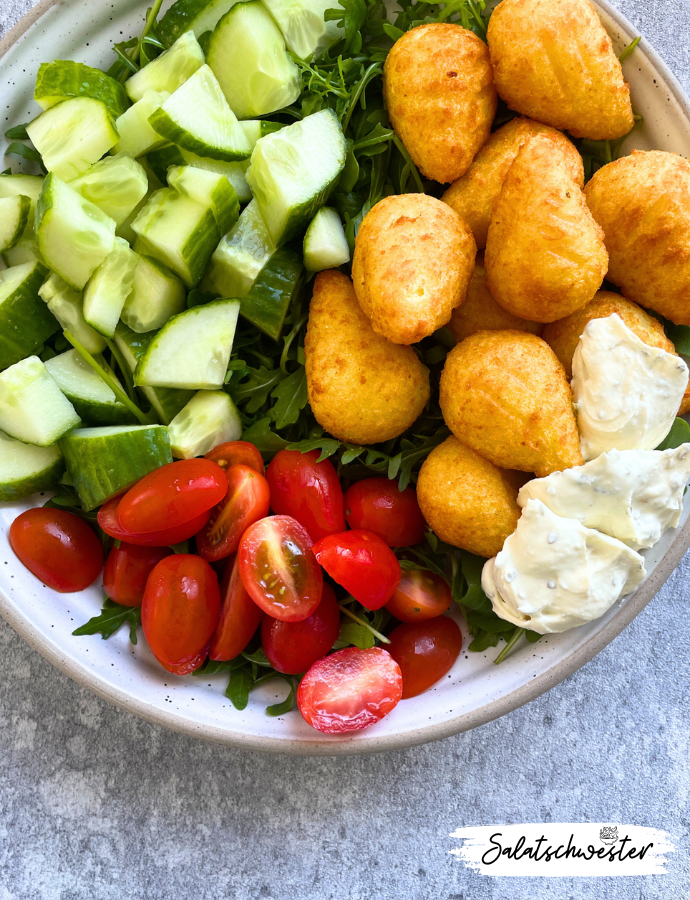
193 350
24 251
156 296
293 172
255 129
136 134
25 322
66 306
248 56
210 189
240 255
63 78
269 298
166 402
73 135
325 244
161 160
91 397
169 70
14 215
198 16
109 287
27 185
33 409
198 118
26 469
73 235
103 461
209 419
115 184
303 26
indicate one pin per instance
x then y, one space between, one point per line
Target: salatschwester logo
608 834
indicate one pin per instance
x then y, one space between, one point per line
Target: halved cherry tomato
239 616
180 612
419 596
362 564
350 689
307 490
279 569
234 453
172 495
245 503
127 569
377 505
425 652
292 647
167 537
57 547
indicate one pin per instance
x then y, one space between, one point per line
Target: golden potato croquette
553 61
412 264
505 394
361 388
474 196
545 254
480 312
438 87
643 204
466 500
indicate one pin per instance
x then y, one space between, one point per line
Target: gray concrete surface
98 805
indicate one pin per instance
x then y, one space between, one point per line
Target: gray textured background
97 804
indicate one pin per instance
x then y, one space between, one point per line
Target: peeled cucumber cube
66 306
198 16
73 135
155 297
104 461
115 184
136 134
240 255
25 322
211 190
198 118
169 70
303 26
14 215
193 350
109 287
210 418
325 244
24 251
26 469
294 170
247 54
255 129
33 409
73 235
63 78
28 185
91 397
267 303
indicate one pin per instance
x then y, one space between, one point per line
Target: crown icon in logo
609 834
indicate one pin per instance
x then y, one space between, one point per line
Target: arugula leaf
110 619
352 16
18 133
679 335
327 445
266 441
257 388
353 634
679 434
291 394
482 641
285 706
239 686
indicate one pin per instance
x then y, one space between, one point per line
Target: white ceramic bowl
476 691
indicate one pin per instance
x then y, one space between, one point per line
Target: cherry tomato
172 495
350 689
127 569
362 564
419 596
235 453
292 647
307 490
279 569
57 547
239 616
167 537
425 652
377 505
245 503
180 611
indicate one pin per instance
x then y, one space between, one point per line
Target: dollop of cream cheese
632 495
554 574
626 393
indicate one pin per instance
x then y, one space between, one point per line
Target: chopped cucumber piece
179 232
25 323
169 70
193 350
240 256
104 461
125 229
116 185
109 287
73 135
248 56
303 26
28 185
91 397
293 172
74 236
63 78
156 296
136 134
24 251
14 215
33 409
198 16
198 118
325 244
210 189
66 306
258 128
268 300
161 160
166 402
210 418
26 469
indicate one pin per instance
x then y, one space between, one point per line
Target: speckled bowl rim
376 744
